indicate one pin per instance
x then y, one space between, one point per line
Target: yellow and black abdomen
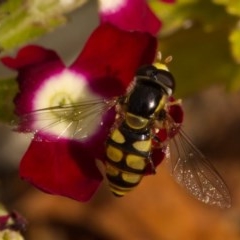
127 153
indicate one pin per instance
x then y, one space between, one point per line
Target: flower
55 161
11 224
10 235
131 15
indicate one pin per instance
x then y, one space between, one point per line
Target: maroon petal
176 113
28 56
4 221
157 157
19 223
35 65
30 79
63 168
131 15
111 57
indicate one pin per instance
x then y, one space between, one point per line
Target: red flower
57 161
131 15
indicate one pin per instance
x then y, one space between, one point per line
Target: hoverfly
141 114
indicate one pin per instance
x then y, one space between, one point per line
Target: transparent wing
76 121
192 170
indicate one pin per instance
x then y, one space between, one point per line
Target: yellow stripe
117 136
131 178
135 162
119 190
143 145
112 171
114 154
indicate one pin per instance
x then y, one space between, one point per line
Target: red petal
111 57
162 135
62 168
30 55
133 15
34 64
176 112
157 157
3 221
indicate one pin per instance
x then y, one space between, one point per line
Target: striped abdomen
127 153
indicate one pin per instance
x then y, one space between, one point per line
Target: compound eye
166 79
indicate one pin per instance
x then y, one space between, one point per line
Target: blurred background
205 66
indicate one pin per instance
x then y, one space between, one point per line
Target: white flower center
111 6
63 107
60 99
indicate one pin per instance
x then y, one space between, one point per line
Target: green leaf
196 33
185 13
8 90
173 16
200 59
234 39
235 83
24 20
224 2
232 6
